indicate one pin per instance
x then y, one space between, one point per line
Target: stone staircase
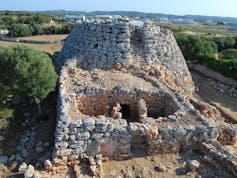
137 50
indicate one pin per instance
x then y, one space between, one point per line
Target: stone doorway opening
128 114
138 146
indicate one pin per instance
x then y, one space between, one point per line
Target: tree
27 72
38 30
51 30
21 30
66 29
8 20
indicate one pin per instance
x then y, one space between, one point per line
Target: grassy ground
49 48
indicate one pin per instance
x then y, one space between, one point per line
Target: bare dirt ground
44 133
48 48
144 167
224 102
158 166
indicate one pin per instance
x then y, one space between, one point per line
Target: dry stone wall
98 45
107 106
105 45
103 135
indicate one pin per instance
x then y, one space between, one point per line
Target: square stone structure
125 87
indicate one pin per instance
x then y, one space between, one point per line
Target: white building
4 32
103 17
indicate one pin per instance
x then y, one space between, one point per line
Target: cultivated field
201 30
49 48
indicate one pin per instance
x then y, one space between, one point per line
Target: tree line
206 51
26 24
20 30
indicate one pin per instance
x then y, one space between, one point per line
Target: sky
227 8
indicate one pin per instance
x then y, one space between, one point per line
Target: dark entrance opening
138 146
155 112
128 114
96 46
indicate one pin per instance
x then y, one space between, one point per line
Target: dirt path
224 102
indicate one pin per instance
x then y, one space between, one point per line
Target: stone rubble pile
224 88
26 143
219 157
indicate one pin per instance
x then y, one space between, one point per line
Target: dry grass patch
48 48
45 37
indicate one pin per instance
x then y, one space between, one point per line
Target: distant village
163 20
71 19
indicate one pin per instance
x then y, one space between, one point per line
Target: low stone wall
158 104
114 138
218 157
212 74
9 39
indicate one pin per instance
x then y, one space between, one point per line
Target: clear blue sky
179 7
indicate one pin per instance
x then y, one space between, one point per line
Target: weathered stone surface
193 165
30 171
142 110
160 168
3 159
47 165
22 167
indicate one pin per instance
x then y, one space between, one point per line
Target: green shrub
203 50
229 54
224 42
38 30
122 20
5 112
195 47
227 67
